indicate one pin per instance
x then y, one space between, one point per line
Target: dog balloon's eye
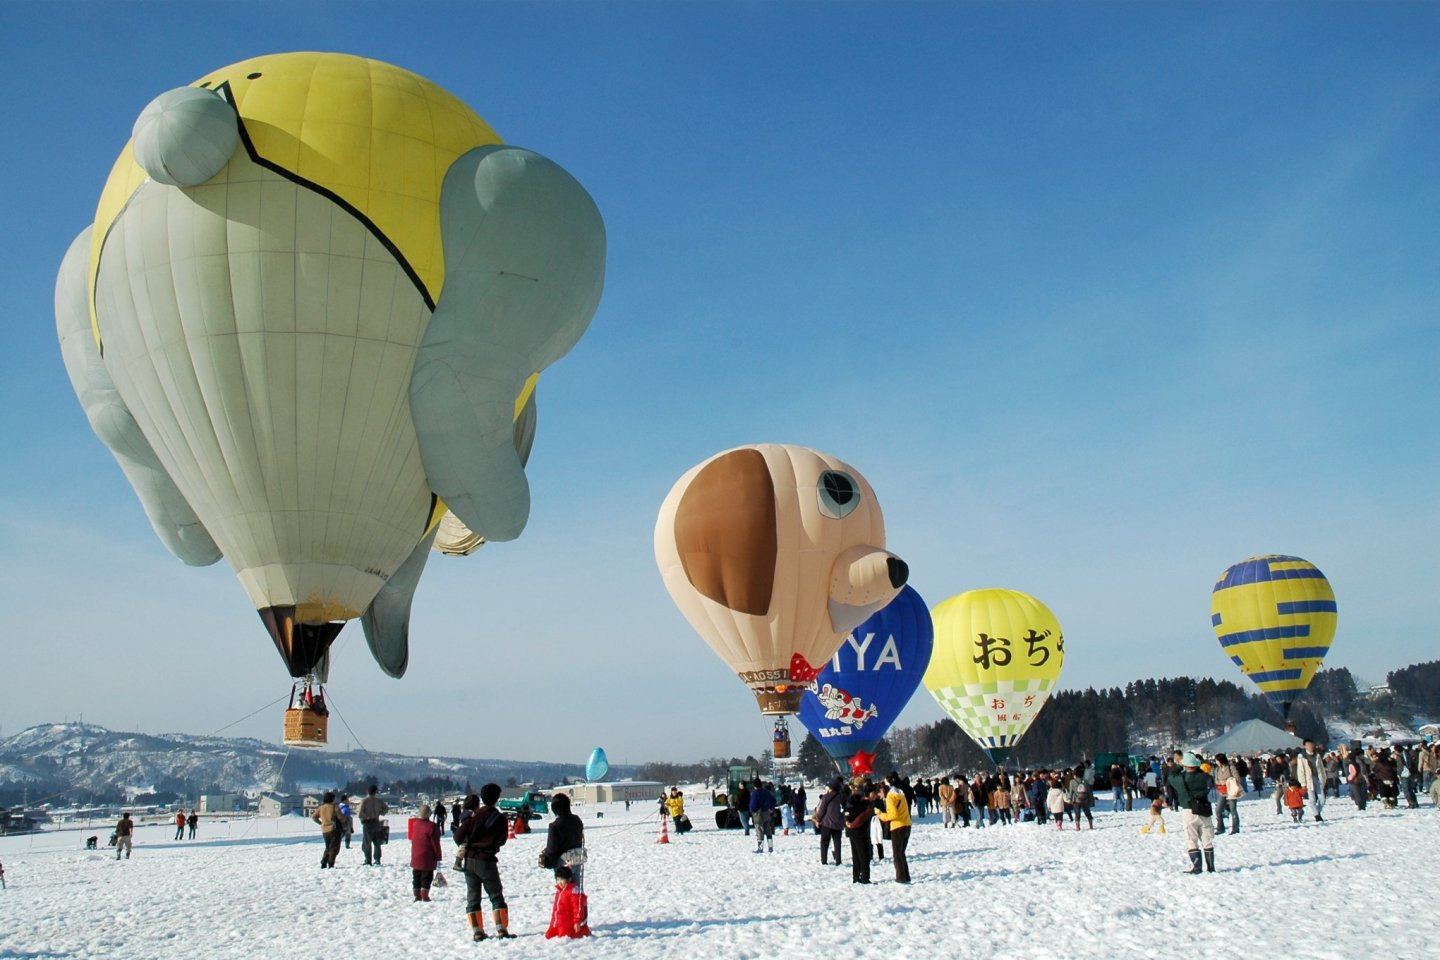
839 494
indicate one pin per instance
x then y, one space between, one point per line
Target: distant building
636 791
276 805
221 802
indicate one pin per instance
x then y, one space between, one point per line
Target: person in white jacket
1310 774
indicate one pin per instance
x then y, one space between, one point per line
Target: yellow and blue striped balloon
1275 618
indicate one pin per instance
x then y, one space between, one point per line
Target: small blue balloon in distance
862 689
597 766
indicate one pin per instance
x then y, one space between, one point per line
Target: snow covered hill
82 758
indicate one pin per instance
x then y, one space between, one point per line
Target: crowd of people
877 817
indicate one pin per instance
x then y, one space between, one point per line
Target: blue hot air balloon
863 688
597 766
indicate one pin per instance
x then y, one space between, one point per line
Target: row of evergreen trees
1146 716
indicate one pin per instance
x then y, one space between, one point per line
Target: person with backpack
481 835
372 841
1192 796
1082 797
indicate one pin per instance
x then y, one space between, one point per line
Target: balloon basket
306 728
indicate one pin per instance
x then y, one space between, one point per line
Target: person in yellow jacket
897 814
675 805
331 828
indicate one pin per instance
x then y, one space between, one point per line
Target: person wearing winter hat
1192 796
567 913
425 852
830 820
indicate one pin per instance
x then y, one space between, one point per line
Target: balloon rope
249 715
330 701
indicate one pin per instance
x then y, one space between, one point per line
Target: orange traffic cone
664 830
512 830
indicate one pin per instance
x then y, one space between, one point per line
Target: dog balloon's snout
899 571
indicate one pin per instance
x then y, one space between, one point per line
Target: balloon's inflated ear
524 266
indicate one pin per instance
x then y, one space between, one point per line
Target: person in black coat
858 812
830 820
566 834
482 833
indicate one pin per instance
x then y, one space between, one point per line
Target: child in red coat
567 916
425 850
1295 801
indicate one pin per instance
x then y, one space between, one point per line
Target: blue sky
1101 298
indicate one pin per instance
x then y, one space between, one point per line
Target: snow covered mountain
86 761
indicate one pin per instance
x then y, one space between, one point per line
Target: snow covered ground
252 888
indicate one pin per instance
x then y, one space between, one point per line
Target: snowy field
252 888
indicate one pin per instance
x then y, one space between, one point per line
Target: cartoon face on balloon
773 553
307 319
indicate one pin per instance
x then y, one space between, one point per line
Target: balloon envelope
774 552
277 322
1275 618
998 654
597 766
863 688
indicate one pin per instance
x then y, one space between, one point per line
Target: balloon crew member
425 852
482 834
372 808
858 812
1192 795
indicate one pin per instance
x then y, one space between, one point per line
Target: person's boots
1194 862
477 925
1162 826
1209 861
418 896
425 894
502 922
1145 829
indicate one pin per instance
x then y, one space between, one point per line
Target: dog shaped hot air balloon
774 553
308 317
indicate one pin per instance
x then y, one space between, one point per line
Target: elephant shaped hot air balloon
860 692
308 318
773 553
998 654
1275 618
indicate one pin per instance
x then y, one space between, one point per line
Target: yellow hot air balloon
997 656
1275 618
308 318
774 553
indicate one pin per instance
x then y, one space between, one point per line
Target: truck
532 803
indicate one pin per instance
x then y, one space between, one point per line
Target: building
221 802
635 791
276 805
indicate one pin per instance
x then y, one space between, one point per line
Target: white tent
1251 736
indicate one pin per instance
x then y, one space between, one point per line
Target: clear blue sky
1101 298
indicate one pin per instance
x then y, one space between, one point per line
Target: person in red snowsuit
567 914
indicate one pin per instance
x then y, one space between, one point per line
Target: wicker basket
305 728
